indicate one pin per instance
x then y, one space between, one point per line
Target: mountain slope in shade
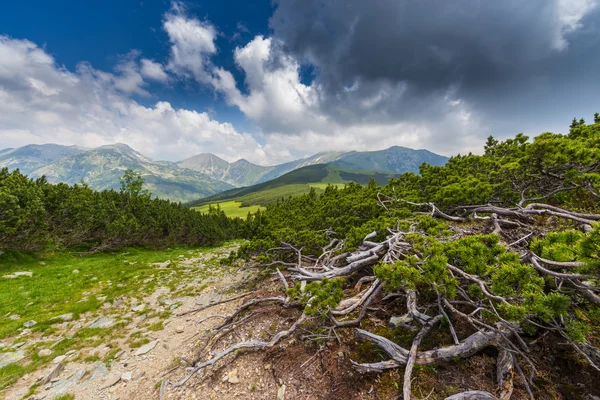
319 158
394 159
296 182
103 167
31 157
239 173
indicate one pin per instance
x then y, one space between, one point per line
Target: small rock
103 322
139 375
173 307
25 332
54 373
29 324
126 376
23 273
281 392
64 317
42 263
11 357
100 371
161 265
70 353
111 380
14 317
400 320
63 386
138 308
19 344
9 276
146 348
44 353
59 359
75 271
232 377
179 329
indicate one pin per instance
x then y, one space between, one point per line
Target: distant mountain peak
33 156
242 161
118 146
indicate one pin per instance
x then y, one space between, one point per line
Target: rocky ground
140 342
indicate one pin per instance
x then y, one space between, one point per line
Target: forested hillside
500 250
37 215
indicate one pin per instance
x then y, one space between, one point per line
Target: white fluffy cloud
43 102
277 100
192 44
153 70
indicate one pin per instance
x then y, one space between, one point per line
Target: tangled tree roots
357 269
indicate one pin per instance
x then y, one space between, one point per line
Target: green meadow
232 209
69 283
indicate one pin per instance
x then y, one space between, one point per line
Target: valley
232 208
298 182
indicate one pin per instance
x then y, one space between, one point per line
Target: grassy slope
54 289
233 209
295 183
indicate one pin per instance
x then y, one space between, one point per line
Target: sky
272 81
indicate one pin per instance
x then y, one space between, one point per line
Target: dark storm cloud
485 52
429 43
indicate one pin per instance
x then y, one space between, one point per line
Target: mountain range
195 177
241 173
